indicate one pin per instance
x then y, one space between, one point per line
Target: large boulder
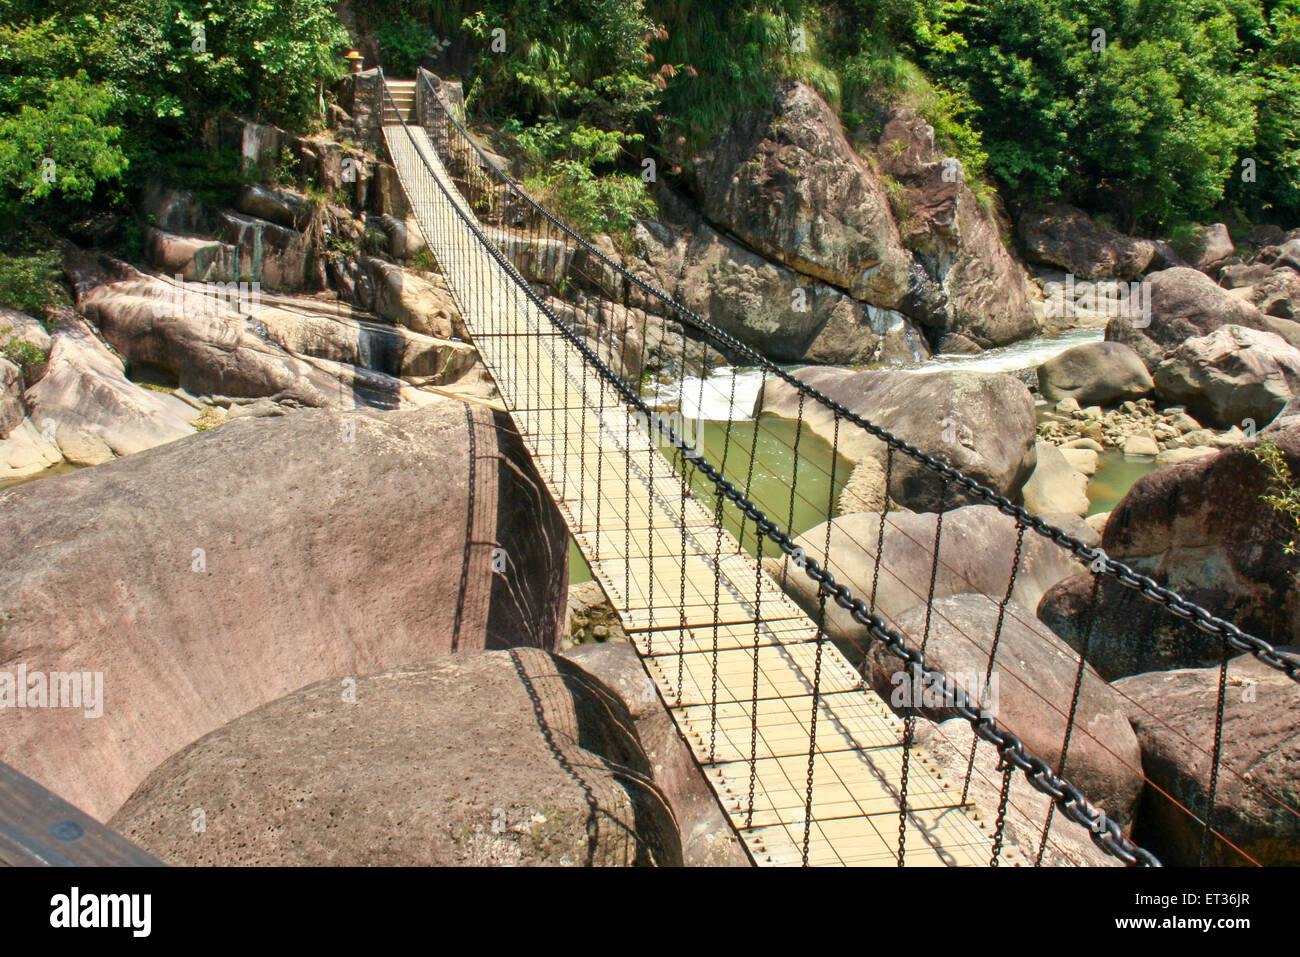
976 555
1055 486
1067 237
90 408
405 240
1231 375
782 313
507 758
1095 373
945 414
949 745
1203 528
968 283
1029 691
786 182
1184 304
420 302
192 258
214 574
284 207
707 836
212 349
1173 713
1210 248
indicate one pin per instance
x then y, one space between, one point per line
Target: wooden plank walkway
601 470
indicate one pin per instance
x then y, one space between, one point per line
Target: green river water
773 476
61 469
774 471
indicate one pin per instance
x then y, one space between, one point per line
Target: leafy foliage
592 204
108 90
1146 121
27 281
405 44
25 355
62 144
1282 495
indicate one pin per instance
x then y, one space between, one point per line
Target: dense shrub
28 281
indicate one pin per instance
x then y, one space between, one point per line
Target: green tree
1146 122
61 144
1272 187
95 91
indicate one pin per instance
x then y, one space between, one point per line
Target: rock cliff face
808 251
965 282
786 182
216 573
785 314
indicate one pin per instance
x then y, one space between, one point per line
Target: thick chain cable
1096 559
1105 833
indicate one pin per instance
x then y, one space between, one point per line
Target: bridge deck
648 546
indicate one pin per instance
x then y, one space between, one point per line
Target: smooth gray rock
498 758
221 571
1055 485
977 548
1095 373
945 414
1231 375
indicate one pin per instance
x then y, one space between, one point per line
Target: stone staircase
403 92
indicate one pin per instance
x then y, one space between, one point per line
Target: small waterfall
1028 354
246 235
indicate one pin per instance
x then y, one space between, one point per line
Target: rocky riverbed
237 501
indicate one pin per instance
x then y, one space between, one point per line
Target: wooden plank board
683 587
38 828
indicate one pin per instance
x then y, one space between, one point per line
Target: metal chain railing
1071 801
1095 558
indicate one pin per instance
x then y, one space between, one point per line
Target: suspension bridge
811 765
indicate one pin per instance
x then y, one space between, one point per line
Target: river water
61 469
707 403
